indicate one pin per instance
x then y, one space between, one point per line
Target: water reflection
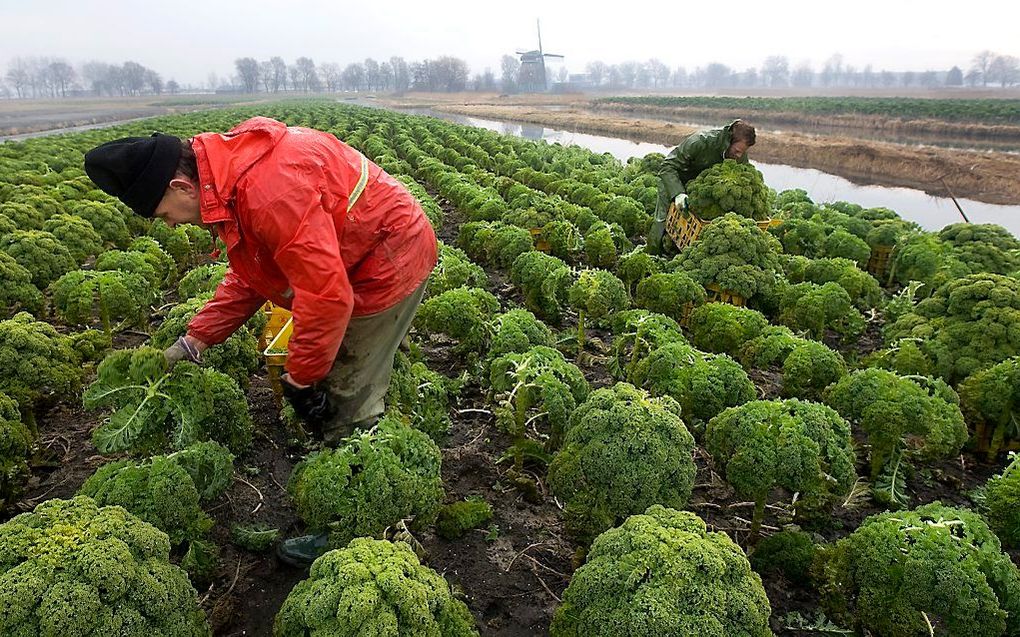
930 212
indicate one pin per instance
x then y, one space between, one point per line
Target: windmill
532 74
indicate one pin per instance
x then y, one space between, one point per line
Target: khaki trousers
361 373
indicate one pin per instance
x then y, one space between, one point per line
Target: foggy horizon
189 40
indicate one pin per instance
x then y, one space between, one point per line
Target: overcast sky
187 39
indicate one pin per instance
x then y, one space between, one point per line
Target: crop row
566 227
981 111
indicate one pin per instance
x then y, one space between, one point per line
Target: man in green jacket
698 151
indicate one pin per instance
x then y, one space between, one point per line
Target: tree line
42 77
987 69
444 73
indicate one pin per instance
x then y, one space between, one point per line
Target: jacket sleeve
303 238
233 303
675 164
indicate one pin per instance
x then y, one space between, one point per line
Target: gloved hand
680 201
311 403
182 350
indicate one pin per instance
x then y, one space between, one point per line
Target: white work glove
680 201
182 350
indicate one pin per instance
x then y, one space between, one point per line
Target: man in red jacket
309 224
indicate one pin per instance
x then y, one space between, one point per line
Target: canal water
932 213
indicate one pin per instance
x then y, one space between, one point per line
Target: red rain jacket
278 198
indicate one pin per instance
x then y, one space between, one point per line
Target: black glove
310 403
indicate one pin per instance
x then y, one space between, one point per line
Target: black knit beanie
136 170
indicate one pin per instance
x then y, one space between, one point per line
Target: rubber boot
302 551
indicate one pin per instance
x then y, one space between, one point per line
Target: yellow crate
276 317
274 342
540 244
715 294
880 261
684 228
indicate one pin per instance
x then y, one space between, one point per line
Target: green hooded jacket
698 151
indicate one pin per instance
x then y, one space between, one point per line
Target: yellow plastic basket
715 294
684 228
274 342
880 261
540 244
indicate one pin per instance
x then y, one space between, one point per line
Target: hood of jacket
223 158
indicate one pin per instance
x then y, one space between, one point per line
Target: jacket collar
222 160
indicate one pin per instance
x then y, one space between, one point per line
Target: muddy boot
302 551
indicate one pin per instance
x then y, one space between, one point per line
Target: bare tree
981 62
1004 69
510 68
803 75
596 71
266 75
401 74
213 80
679 77
354 76
628 73
172 87
643 75
448 73
279 73
973 77
614 75
134 77
62 75
330 76
832 72
306 67
295 77
717 74
154 81
776 71
658 71
386 76
868 76
487 81
17 75
248 71
371 74
420 78
98 77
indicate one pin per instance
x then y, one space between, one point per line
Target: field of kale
798 430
